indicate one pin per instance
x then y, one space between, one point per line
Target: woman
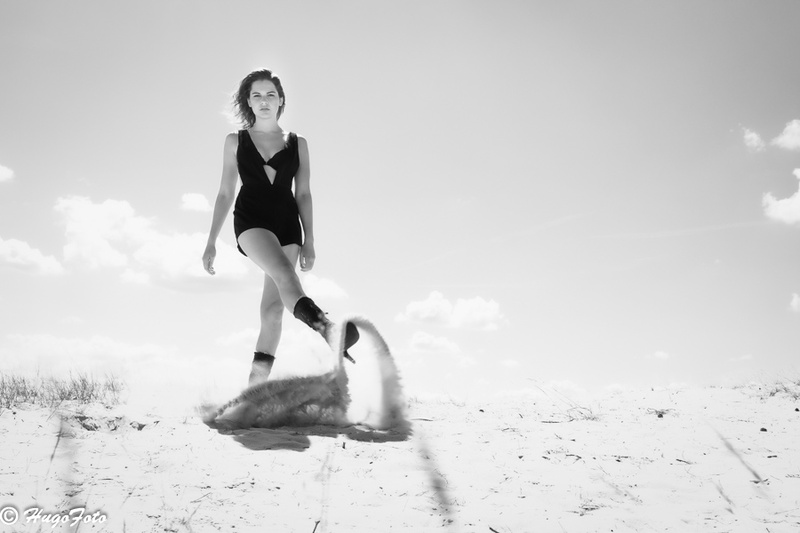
267 217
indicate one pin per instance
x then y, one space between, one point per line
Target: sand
712 459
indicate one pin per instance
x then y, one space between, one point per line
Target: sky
518 194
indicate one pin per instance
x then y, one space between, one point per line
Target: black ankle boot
261 357
307 311
261 368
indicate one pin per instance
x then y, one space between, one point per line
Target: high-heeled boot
261 369
307 311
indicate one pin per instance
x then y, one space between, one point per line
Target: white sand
526 464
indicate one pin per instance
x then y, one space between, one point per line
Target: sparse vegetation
790 388
50 392
578 412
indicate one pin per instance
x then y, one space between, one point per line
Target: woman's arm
225 197
302 193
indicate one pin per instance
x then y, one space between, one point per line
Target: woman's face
264 99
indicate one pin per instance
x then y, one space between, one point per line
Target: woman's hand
307 256
208 258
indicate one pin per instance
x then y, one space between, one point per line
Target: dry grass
790 388
50 392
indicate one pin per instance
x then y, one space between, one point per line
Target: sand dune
713 459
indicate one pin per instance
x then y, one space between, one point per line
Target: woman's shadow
298 438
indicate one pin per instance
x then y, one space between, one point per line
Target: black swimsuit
265 204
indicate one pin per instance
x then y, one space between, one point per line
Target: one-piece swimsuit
262 203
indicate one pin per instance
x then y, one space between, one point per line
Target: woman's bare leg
272 308
263 247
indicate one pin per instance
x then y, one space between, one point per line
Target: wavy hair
240 106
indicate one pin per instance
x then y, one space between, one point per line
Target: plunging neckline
266 161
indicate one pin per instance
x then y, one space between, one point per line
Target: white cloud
135 277
321 288
472 313
6 174
510 363
20 254
173 256
785 210
111 235
753 141
90 230
660 355
789 139
426 343
245 336
192 201
794 305
301 351
59 355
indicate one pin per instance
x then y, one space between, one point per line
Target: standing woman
267 217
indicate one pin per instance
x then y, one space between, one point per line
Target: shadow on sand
299 438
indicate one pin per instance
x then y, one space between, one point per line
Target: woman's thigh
264 249
271 296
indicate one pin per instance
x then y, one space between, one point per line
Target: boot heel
351 336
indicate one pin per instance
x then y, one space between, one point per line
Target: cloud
135 277
322 288
92 229
790 138
245 336
21 255
472 313
785 210
195 202
426 345
6 174
301 351
753 141
31 353
111 234
794 305
660 355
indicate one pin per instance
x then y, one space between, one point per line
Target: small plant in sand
578 412
49 392
788 387
574 411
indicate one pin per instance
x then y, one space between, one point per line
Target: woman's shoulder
233 138
299 139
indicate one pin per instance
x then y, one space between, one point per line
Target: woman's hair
240 106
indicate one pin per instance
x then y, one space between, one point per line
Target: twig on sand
315 527
193 501
493 530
